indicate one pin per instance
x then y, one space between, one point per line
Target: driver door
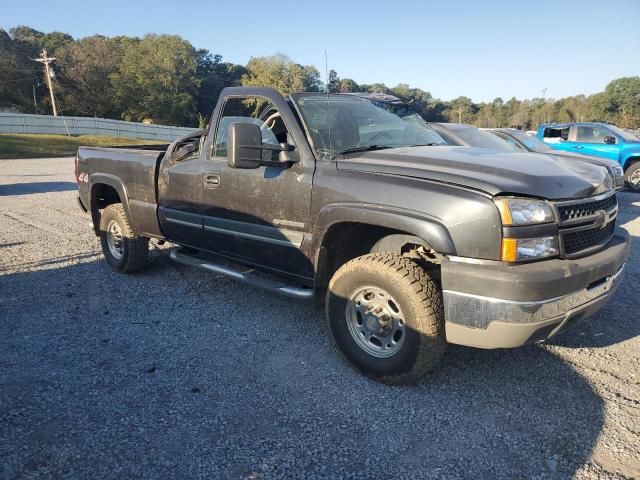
260 215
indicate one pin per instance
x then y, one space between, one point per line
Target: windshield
475 137
341 124
531 142
628 136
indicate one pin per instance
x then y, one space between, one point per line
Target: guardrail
48 124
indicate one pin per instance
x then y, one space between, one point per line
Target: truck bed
131 172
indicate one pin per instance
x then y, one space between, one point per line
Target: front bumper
493 305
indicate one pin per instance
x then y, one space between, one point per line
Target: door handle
578 146
212 181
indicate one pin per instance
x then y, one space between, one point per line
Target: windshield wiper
368 148
426 144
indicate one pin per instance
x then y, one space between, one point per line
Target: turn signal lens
509 249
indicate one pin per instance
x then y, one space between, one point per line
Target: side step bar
180 256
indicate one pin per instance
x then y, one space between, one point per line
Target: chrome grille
586 225
575 242
586 209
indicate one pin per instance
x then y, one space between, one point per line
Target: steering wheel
378 136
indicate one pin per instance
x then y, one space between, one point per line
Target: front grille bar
586 225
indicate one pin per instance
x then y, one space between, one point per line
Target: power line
46 61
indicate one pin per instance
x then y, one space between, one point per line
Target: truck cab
597 139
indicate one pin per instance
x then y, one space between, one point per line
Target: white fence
48 124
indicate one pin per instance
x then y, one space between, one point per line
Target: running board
178 255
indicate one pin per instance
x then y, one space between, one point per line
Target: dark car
471 136
530 143
410 243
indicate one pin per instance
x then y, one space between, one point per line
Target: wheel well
348 240
102 195
630 162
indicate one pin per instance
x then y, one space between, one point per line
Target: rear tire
386 315
632 176
124 251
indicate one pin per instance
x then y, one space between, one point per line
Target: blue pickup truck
600 140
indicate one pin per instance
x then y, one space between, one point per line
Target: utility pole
35 102
459 115
46 61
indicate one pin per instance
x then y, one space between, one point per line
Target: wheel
632 176
385 314
123 250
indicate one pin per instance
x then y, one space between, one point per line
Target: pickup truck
409 243
600 140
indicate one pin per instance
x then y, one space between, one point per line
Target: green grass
40 146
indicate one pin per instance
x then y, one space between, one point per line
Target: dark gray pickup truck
412 244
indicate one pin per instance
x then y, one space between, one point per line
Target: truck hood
493 172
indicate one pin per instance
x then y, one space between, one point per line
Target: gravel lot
174 373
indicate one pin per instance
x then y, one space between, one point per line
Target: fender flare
117 184
428 229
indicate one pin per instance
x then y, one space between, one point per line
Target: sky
481 49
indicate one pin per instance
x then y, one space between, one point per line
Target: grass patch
39 146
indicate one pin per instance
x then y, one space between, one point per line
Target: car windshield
531 142
343 124
479 138
628 136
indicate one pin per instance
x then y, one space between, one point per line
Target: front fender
430 230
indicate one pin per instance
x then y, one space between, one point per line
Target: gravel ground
174 373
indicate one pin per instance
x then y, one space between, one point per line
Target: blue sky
481 49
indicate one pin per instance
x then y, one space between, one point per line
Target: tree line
165 79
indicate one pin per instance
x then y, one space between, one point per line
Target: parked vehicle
600 140
471 136
410 243
465 134
530 143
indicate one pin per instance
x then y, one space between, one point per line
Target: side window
254 110
589 134
555 134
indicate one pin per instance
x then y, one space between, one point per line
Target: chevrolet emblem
601 219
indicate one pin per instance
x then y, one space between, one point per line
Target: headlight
617 171
520 249
524 211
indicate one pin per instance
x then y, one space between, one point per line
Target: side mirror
610 140
244 146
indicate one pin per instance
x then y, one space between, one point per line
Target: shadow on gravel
618 320
35 187
177 373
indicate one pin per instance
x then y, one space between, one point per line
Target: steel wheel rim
375 322
634 179
115 242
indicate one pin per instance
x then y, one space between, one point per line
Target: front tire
124 251
385 314
632 176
